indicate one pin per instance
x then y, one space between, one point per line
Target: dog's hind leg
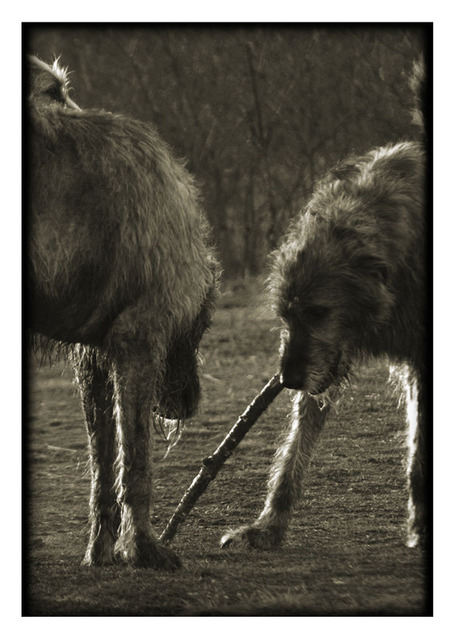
92 374
419 455
137 543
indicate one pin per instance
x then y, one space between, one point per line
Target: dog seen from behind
120 270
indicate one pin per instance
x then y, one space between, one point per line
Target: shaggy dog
120 270
349 282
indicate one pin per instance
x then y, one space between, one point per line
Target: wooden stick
214 462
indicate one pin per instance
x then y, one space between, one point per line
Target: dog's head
48 85
180 389
329 289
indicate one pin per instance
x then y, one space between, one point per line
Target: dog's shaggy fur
120 269
349 281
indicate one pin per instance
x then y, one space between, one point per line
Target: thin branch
213 463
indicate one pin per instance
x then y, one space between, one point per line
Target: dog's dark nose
292 379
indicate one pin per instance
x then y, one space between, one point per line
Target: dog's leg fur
96 388
286 476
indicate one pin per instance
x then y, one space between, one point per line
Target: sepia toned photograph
227 319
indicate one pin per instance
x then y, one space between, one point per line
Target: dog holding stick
349 282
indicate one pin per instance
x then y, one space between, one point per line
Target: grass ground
345 552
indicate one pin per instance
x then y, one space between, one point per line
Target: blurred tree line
258 111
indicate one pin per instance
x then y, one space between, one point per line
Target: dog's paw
255 536
145 551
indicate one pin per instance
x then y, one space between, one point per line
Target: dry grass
344 554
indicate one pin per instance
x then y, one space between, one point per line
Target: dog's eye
317 312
